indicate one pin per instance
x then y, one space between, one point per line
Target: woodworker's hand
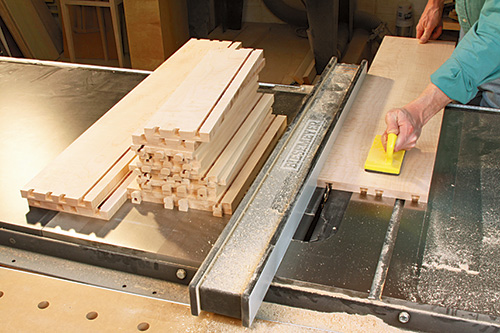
430 25
405 126
407 122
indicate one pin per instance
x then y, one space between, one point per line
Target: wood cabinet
156 29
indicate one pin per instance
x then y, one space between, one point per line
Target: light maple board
400 72
188 107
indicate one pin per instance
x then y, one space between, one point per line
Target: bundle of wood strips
204 133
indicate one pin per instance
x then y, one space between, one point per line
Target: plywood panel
400 72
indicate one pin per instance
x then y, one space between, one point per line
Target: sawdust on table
322 321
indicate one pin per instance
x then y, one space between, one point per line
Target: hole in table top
143 326
43 305
91 315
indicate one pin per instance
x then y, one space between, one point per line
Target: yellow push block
379 160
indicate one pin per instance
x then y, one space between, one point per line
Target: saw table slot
323 217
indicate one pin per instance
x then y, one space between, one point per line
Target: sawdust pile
321 321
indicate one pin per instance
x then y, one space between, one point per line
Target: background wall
386 10
256 11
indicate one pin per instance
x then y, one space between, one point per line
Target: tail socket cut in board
363 191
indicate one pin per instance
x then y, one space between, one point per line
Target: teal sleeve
476 59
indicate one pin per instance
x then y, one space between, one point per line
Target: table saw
429 268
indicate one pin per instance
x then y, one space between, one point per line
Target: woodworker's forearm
430 102
437 3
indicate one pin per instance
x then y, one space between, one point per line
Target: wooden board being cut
400 72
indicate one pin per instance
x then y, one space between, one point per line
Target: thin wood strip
252 66
399 73
188 199
217 192
97 193
83 211
222 103
252 166
116 174
116 199
108 208
132 187
235 45
302 70
208 153
230 157
310 73
231 170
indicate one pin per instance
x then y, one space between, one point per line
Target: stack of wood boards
399 73
91 176
208 138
